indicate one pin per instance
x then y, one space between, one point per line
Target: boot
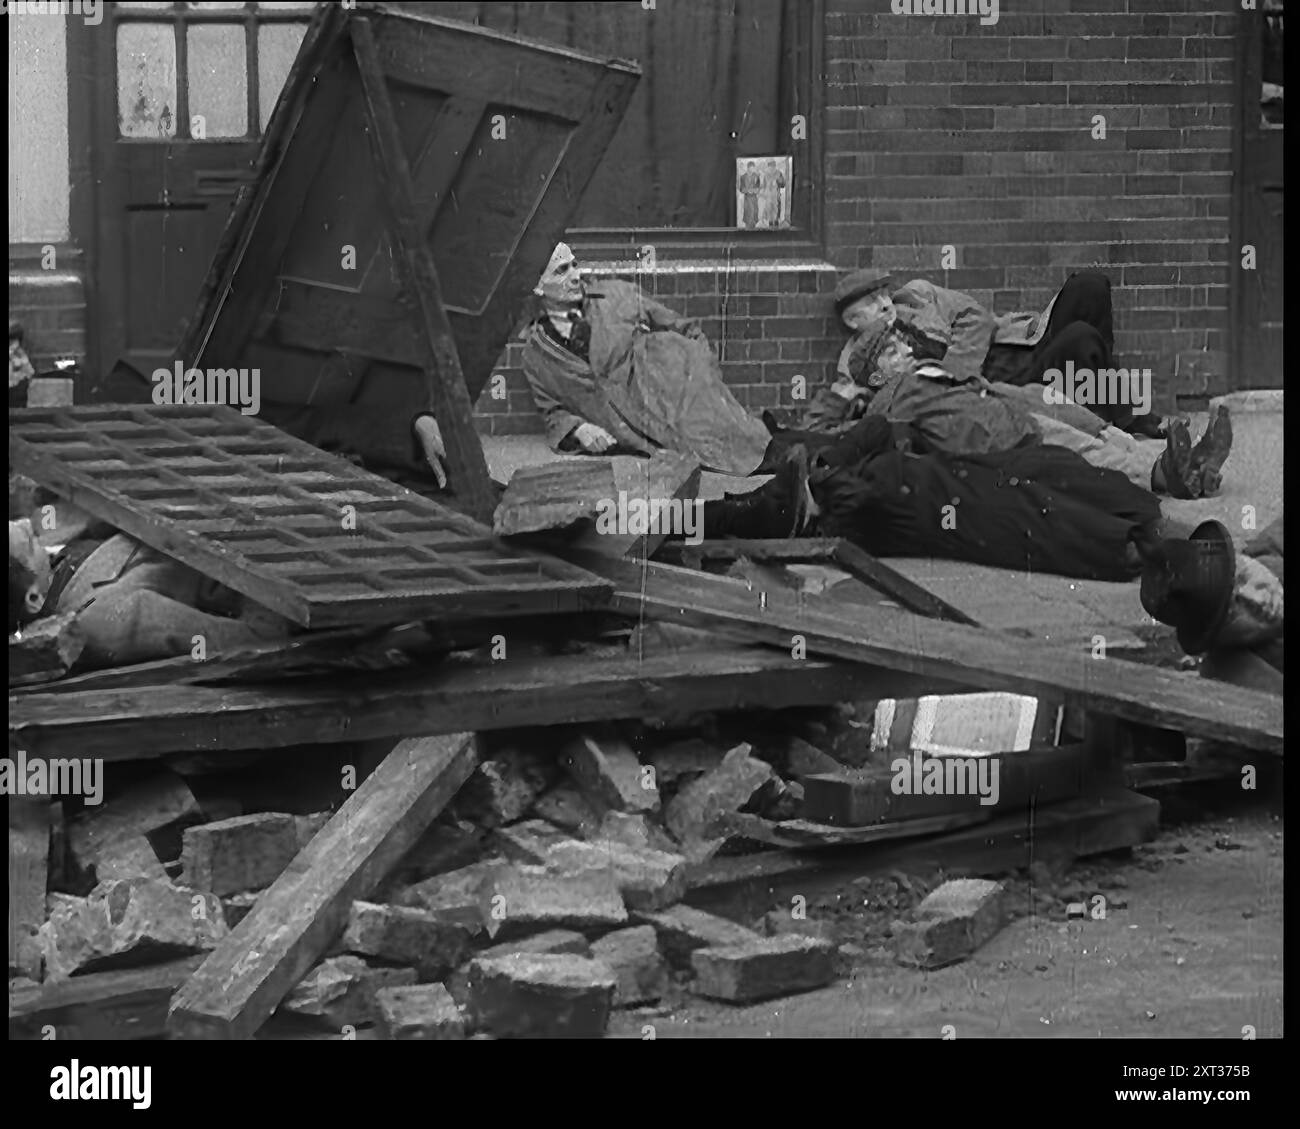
778 509
1209 455
1172 471
1148 426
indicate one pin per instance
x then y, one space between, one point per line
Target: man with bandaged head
614 371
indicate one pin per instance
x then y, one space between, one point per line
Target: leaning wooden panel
499 137
307 534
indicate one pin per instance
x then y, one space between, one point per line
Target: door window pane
146 80
218 79
277 46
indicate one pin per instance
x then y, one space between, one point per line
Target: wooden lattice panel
267 515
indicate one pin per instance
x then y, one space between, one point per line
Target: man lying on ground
1227 604
953 415
613 371
132 604
1014 349
1034 507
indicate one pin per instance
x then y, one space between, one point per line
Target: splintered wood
304 533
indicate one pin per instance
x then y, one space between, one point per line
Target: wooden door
1257 301
182 94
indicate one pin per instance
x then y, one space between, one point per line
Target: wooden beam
793 550
466 464
892 583
45 650
978 658
130 1004
802 834
29 860
244 979
856 562
145 722
1068 830
849 799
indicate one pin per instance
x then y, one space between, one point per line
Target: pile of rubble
550 891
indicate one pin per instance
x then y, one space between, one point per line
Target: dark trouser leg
1085 297
1084 346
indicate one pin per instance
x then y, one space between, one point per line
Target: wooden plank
29 858
130 1004
142 723
577 497
878 575
801 834
957 652
815 550
1064 831
466 464
244 979
860 799
305 533
45 650
793 550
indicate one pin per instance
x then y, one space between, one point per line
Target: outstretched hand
592 439
435 451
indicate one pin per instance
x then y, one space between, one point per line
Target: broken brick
727 788
402 935
566 807
125 922
341 991
640 972
113 840
683 929
529 841
502 788
763 968
689 758
647 879
634 830
552 941
523 899
609 772
234 855
541 995
456 895
951 923
805 759
421 1011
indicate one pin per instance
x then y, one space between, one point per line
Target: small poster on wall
763 192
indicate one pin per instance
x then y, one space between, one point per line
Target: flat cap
859 284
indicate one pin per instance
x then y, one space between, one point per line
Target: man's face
869 311
29 573
562 285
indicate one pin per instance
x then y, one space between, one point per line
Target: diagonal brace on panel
467 466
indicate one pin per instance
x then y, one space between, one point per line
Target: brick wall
941 131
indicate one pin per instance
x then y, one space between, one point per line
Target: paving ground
1052 607
1190 947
